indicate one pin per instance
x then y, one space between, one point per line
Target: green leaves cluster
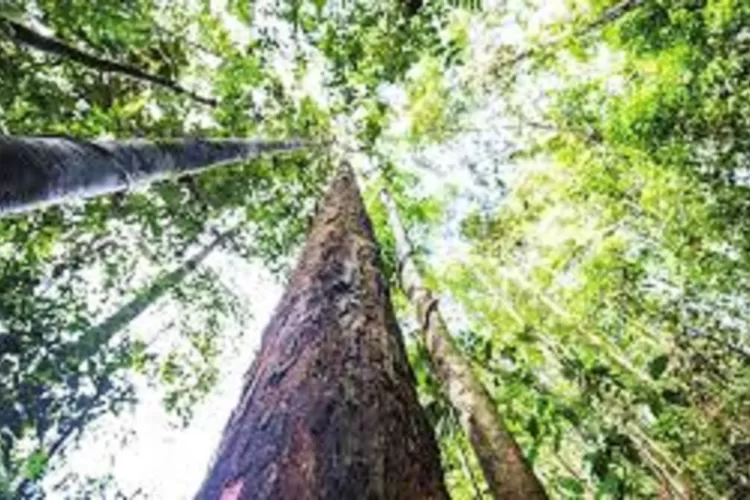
607 292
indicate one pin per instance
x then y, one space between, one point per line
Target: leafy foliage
613 275
602 300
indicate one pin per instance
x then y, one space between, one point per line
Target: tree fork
329 408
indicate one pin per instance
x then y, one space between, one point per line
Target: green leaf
658 366
572 485
533 427
36 464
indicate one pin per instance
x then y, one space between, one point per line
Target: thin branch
22 35
612 14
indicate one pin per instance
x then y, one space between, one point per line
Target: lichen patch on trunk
232 491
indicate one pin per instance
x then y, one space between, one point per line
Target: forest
397 249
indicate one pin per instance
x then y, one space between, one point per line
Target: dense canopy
573 177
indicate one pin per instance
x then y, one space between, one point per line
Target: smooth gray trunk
40 171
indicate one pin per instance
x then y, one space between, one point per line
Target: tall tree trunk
22 35
102 333
329 408
121 318
611 15
38 171
508 475
466 467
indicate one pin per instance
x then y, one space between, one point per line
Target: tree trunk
121 318
329 409
508 475
612 14
22 35
39 171
97 336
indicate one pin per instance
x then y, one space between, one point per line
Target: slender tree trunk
468 471
329 409
609 16
104 331
661 464
39 171
662 473
508 475
22 35
607 349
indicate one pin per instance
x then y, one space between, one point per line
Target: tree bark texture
39 171
22 35
329 409
505 469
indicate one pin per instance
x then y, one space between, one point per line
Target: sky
162 460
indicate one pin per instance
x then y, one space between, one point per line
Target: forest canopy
572 179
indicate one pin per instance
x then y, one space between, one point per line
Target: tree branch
22 35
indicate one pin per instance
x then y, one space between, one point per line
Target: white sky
163 461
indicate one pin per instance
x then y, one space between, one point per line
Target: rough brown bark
329 408
505 469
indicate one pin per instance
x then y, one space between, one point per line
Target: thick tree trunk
508 475
39 171
22 35
329 409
